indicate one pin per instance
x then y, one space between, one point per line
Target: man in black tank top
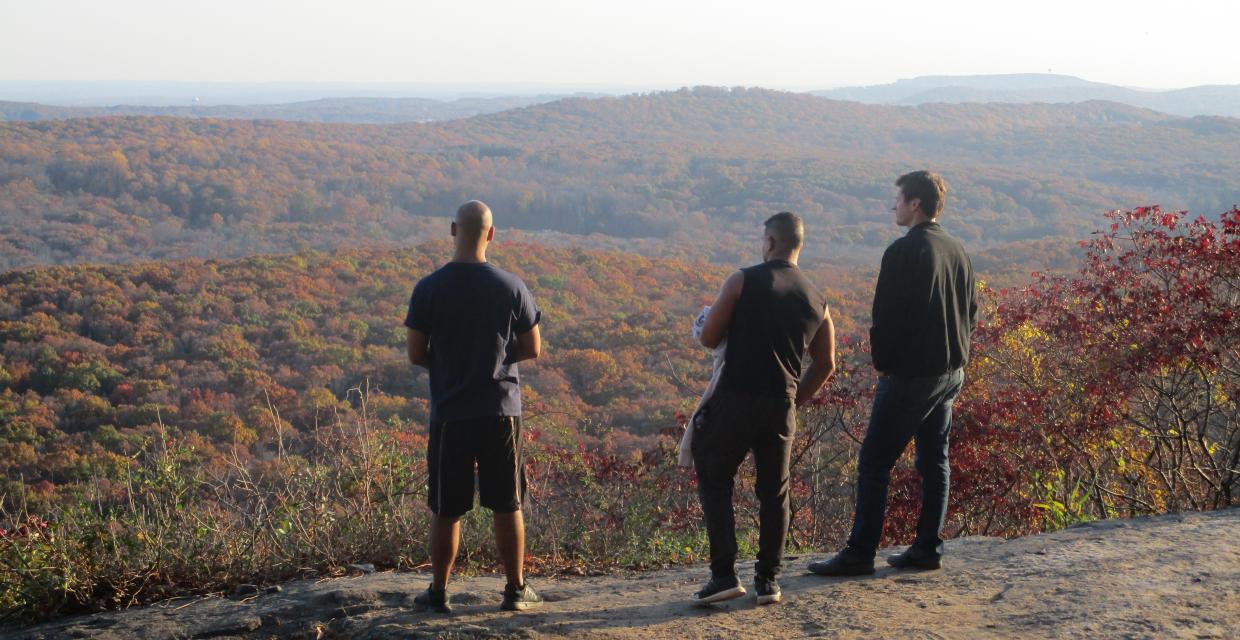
925 310
770 316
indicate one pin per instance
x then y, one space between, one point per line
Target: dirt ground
1174 576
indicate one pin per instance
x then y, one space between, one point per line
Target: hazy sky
772 43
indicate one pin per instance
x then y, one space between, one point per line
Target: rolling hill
1027 88
684 174
362 110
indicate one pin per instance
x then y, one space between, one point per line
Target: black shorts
494 444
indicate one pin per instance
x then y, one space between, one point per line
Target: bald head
473 221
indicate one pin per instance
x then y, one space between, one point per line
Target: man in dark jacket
771 317
924 313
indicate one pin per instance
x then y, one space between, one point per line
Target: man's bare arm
719 320
822 354
529 345
419 348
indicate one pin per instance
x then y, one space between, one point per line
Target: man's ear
915 203
453 229
490 234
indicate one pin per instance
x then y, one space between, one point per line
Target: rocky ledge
1174 576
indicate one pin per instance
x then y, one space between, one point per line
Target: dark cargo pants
731 425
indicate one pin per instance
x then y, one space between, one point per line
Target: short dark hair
787 229
926 186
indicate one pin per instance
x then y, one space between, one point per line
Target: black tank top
776 317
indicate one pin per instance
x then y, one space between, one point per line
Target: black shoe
844 563
719 590
767 590
520 598
914 558
435 599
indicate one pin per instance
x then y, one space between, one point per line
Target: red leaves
32 526
1231 221
1074 358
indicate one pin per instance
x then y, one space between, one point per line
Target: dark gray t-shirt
473 313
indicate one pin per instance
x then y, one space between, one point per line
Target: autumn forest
203 382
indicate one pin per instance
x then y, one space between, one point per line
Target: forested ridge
184 426
212 346
360 110
679 173
203 382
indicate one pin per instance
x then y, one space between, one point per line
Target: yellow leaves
119 160
1027 341
1220 396
146 306
1027 332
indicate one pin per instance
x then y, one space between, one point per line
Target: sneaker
520 598
844 563
434 599
915 558
767 590
719 590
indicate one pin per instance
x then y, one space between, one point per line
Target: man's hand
419 348
822 354
719 320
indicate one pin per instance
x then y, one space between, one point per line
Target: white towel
685 459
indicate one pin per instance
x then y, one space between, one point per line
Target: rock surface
1174 576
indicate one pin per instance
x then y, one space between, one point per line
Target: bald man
469 324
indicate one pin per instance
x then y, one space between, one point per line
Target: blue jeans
906 409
